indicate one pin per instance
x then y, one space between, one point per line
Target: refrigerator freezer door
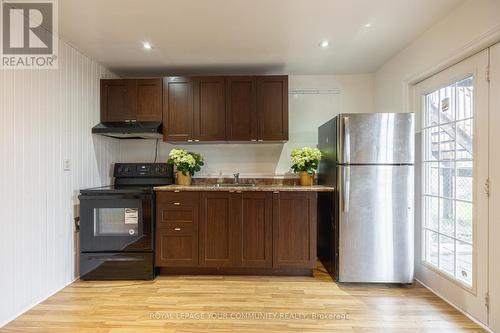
375 224
378 138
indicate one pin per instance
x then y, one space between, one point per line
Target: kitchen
97 207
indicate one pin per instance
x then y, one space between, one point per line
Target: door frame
494 210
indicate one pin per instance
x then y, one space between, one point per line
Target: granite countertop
256 188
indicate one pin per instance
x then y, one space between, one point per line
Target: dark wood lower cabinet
294 229
255 230
233 232
177 216
217 229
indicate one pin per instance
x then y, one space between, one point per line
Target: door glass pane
432 243
448 136
116 221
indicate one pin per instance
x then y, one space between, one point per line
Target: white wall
46 117
465 30
312 101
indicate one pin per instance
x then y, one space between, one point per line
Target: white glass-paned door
452 107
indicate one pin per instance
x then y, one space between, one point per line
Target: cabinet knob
177 229
177 203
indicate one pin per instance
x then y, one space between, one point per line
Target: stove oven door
116 222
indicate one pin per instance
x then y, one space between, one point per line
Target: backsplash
256 181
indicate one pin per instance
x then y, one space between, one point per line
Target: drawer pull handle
177 203
177 229
176 191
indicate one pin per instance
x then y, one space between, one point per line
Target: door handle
104 258
347 140
346 189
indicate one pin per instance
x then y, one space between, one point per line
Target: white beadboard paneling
46 117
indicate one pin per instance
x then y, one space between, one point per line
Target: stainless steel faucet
236 178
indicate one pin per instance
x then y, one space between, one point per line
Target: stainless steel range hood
129 130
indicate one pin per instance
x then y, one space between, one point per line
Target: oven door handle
115 197
105 258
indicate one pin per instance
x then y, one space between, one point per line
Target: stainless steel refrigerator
366 226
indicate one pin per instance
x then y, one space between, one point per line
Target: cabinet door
178 116
149 99
255 230
217 229
209 108
118 100
176 245
241 117
294 229
272 107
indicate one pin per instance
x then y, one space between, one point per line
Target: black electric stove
117 223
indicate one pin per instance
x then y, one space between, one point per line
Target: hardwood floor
219 304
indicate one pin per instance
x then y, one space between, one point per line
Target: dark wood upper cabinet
149 100
254 239
294 229
272 107
118 100
209 95
231 108
241 117
178 115
217 229
127 100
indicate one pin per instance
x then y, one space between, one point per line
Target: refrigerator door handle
346 189
347 140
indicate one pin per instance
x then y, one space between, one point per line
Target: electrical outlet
66 165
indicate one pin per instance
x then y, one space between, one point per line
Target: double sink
233 185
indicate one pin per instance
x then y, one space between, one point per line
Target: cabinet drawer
177 214
178 229
178 199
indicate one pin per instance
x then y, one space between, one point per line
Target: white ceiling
245 36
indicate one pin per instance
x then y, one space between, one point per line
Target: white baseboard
35 303
456 307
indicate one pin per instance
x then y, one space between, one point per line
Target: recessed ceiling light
324 43
368 25
147 45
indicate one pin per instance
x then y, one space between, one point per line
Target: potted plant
186 163
305 161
